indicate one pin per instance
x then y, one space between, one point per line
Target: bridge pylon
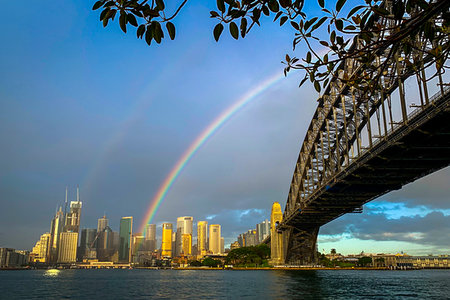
276 236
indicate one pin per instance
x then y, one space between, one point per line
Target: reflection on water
52 272
209 284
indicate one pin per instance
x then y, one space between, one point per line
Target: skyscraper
88 243
186 244
102 223
42 248
72 223
67 252
214 238
184 226
166 244
150 237
57 227
202 236
222 245
125 234
262 231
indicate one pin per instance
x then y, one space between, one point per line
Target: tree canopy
417 30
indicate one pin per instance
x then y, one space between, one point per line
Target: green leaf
308 57
322 3
123 21
160 5
354 9
218 31
339 24
339 5
317 86
157 32
309 23
317 25
149 35
243 27
171 29
283 20
221 5
140 31
214 14
295 25
273 6
132 20
98 4
234 30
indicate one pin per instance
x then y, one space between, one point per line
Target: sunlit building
102 223
125 235
202 237
186 244
41 250
184 226
262 231
57 227
150 237
166 244
222 245
72 222
214 238
67 251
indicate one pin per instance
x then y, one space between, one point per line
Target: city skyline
73 122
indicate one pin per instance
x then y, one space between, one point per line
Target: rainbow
199 141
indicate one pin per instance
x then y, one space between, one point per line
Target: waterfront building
150 237
40 252
67 251
184 226
166 244
241 240
105 244
186 244
222 245
235 245
56 228
88 244
125 235
102 223
262 231
214 238
72 223
202 237
10 258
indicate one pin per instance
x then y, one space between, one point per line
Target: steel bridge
362 144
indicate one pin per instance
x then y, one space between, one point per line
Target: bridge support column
276 236
300 245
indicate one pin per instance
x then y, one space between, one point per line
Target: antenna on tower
65 203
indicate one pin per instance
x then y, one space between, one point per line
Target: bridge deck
407 153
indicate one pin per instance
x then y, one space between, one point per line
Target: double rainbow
199 141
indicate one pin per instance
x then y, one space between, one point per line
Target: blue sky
80 104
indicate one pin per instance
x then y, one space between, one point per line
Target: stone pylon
276 236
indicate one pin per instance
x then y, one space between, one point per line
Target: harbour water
226 284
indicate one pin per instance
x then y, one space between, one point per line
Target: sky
81 104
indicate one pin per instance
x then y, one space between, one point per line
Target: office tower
214 238
166 244
138 245
57 227
67 252
150 237
202 237
105 244
41 250
88 244
241 240
262 231
186 244
125 234
250 238
222 245
184 226
102 223
73 216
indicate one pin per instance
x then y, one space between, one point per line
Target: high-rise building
250 238
186 244
67 252
262 231
150 237
184 226
202 237
166 244
222 245
88 244
72 223
105 244
40 252
102 223
125 234
57 227
214 238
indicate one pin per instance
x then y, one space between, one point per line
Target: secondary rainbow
199 141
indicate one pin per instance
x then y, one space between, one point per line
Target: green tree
195 263
209 262
412 29
364 261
